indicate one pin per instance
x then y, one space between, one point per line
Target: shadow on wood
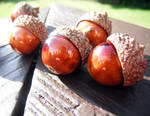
147 73
118 100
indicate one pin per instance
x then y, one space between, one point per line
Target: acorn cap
98 18
131 57
32 24
77 38
23 8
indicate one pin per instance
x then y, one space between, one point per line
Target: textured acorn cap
77 38
131 57
98 18
32 24
23 8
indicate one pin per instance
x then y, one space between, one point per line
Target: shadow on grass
140 4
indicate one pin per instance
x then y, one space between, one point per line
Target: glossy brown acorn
23 41
60 55
65 50
104 65
22 8
120 60
96 26
26 34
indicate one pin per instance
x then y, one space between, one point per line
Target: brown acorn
120 60
23 8
96 26
27 33
65 50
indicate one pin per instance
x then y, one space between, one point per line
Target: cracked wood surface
50 98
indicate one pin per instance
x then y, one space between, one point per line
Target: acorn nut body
23 8
27 33
65 50
96 26
120 60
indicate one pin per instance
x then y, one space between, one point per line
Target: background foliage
132 3
132 11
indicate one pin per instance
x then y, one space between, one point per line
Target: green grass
132 15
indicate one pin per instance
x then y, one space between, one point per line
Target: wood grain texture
129 101
50 97
13 70
15 73
8 98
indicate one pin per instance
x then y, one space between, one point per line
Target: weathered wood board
15 72
128 101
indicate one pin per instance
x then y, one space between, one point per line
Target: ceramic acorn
65 50
96 26
120 60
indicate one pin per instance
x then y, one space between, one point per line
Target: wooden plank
49 96
15 73
19 108
13 70
118 100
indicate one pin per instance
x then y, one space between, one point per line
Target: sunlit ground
136 16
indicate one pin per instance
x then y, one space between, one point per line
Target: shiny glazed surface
23 41
59 55
95 33
104 65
